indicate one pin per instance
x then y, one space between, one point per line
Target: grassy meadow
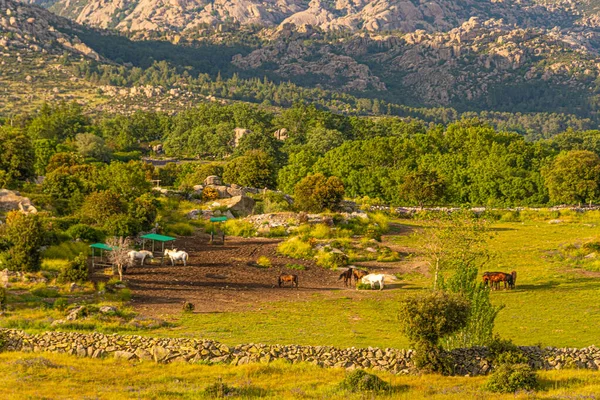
58 376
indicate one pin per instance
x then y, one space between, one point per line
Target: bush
373 232
297 267
238 227
321 231
510 378
387 255
331 260
380 220
120 225
180 229
316 193
295 248
276 231
429 317
25 234
2 298
263 262
75 271
86 233
65 250
60 304
210 194
361 381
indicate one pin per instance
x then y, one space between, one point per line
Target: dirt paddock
225 278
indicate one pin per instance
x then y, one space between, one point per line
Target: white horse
372 279
139 255
175 256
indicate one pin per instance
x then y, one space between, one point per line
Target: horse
493 279
137 255
358 274
175 256
347 276
372 279
283 278
514 279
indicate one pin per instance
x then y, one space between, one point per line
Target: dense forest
387 159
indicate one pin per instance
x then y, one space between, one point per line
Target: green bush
381 221
385 254
361 381
120 225
180 229
2 298
239 227
510 378
25 233
321 231
297 267
277 231
60 304
75 271
331 260
86 233
511 216
295 248
126 156
65 250
504 351
373 232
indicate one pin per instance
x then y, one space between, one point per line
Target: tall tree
573 177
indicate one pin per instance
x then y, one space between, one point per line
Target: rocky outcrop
11 200
471 361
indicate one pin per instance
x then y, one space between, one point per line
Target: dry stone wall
472 361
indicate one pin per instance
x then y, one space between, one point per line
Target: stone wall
471 361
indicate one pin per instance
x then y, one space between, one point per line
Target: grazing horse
139 255
283 278
175 256
372 279
493 279
347 276
358 274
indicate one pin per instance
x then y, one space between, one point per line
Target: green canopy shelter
162 239
101 261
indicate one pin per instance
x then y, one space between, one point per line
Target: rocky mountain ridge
352 15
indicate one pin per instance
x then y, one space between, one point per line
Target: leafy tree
92 146
16 160
59 122
299 166
321 140
423 187
428 318
64 159
144 210
25 233
254 169
128 180
574 177
44 150
316 193
98 207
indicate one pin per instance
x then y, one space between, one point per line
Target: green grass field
57 376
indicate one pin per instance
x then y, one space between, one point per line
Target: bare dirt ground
225 278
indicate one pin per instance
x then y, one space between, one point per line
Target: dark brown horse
493 279
347 276
283 278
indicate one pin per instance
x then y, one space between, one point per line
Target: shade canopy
101 246
158 238
218 219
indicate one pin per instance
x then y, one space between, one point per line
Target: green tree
25 234
316 193
423 187
298 166
44 150
128 180
321 140
144 210
98 207
254 169
59 122
16 155
92 146
573 177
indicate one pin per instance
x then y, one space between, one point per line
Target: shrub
2 298
429 317
60 304
239 227
295 248
297 267
120 225
180 229
373 232
98 207
381 220
316 193
511 216
509 378
75 271
25 234
276 231
263 262
321 231
188 307
210 194
387 255
65 250
86 233
331 259
361 381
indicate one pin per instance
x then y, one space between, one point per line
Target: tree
25 233
299 166
316 193
322 140
423 187
92 146
44 150
98 207
128 180
17 155
428 318
144 210
254 169
119 256
573 177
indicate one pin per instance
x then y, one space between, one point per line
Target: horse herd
490 279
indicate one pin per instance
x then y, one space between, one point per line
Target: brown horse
293 279
347 276
493 279
358 274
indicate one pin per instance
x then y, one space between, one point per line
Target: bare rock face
10 200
